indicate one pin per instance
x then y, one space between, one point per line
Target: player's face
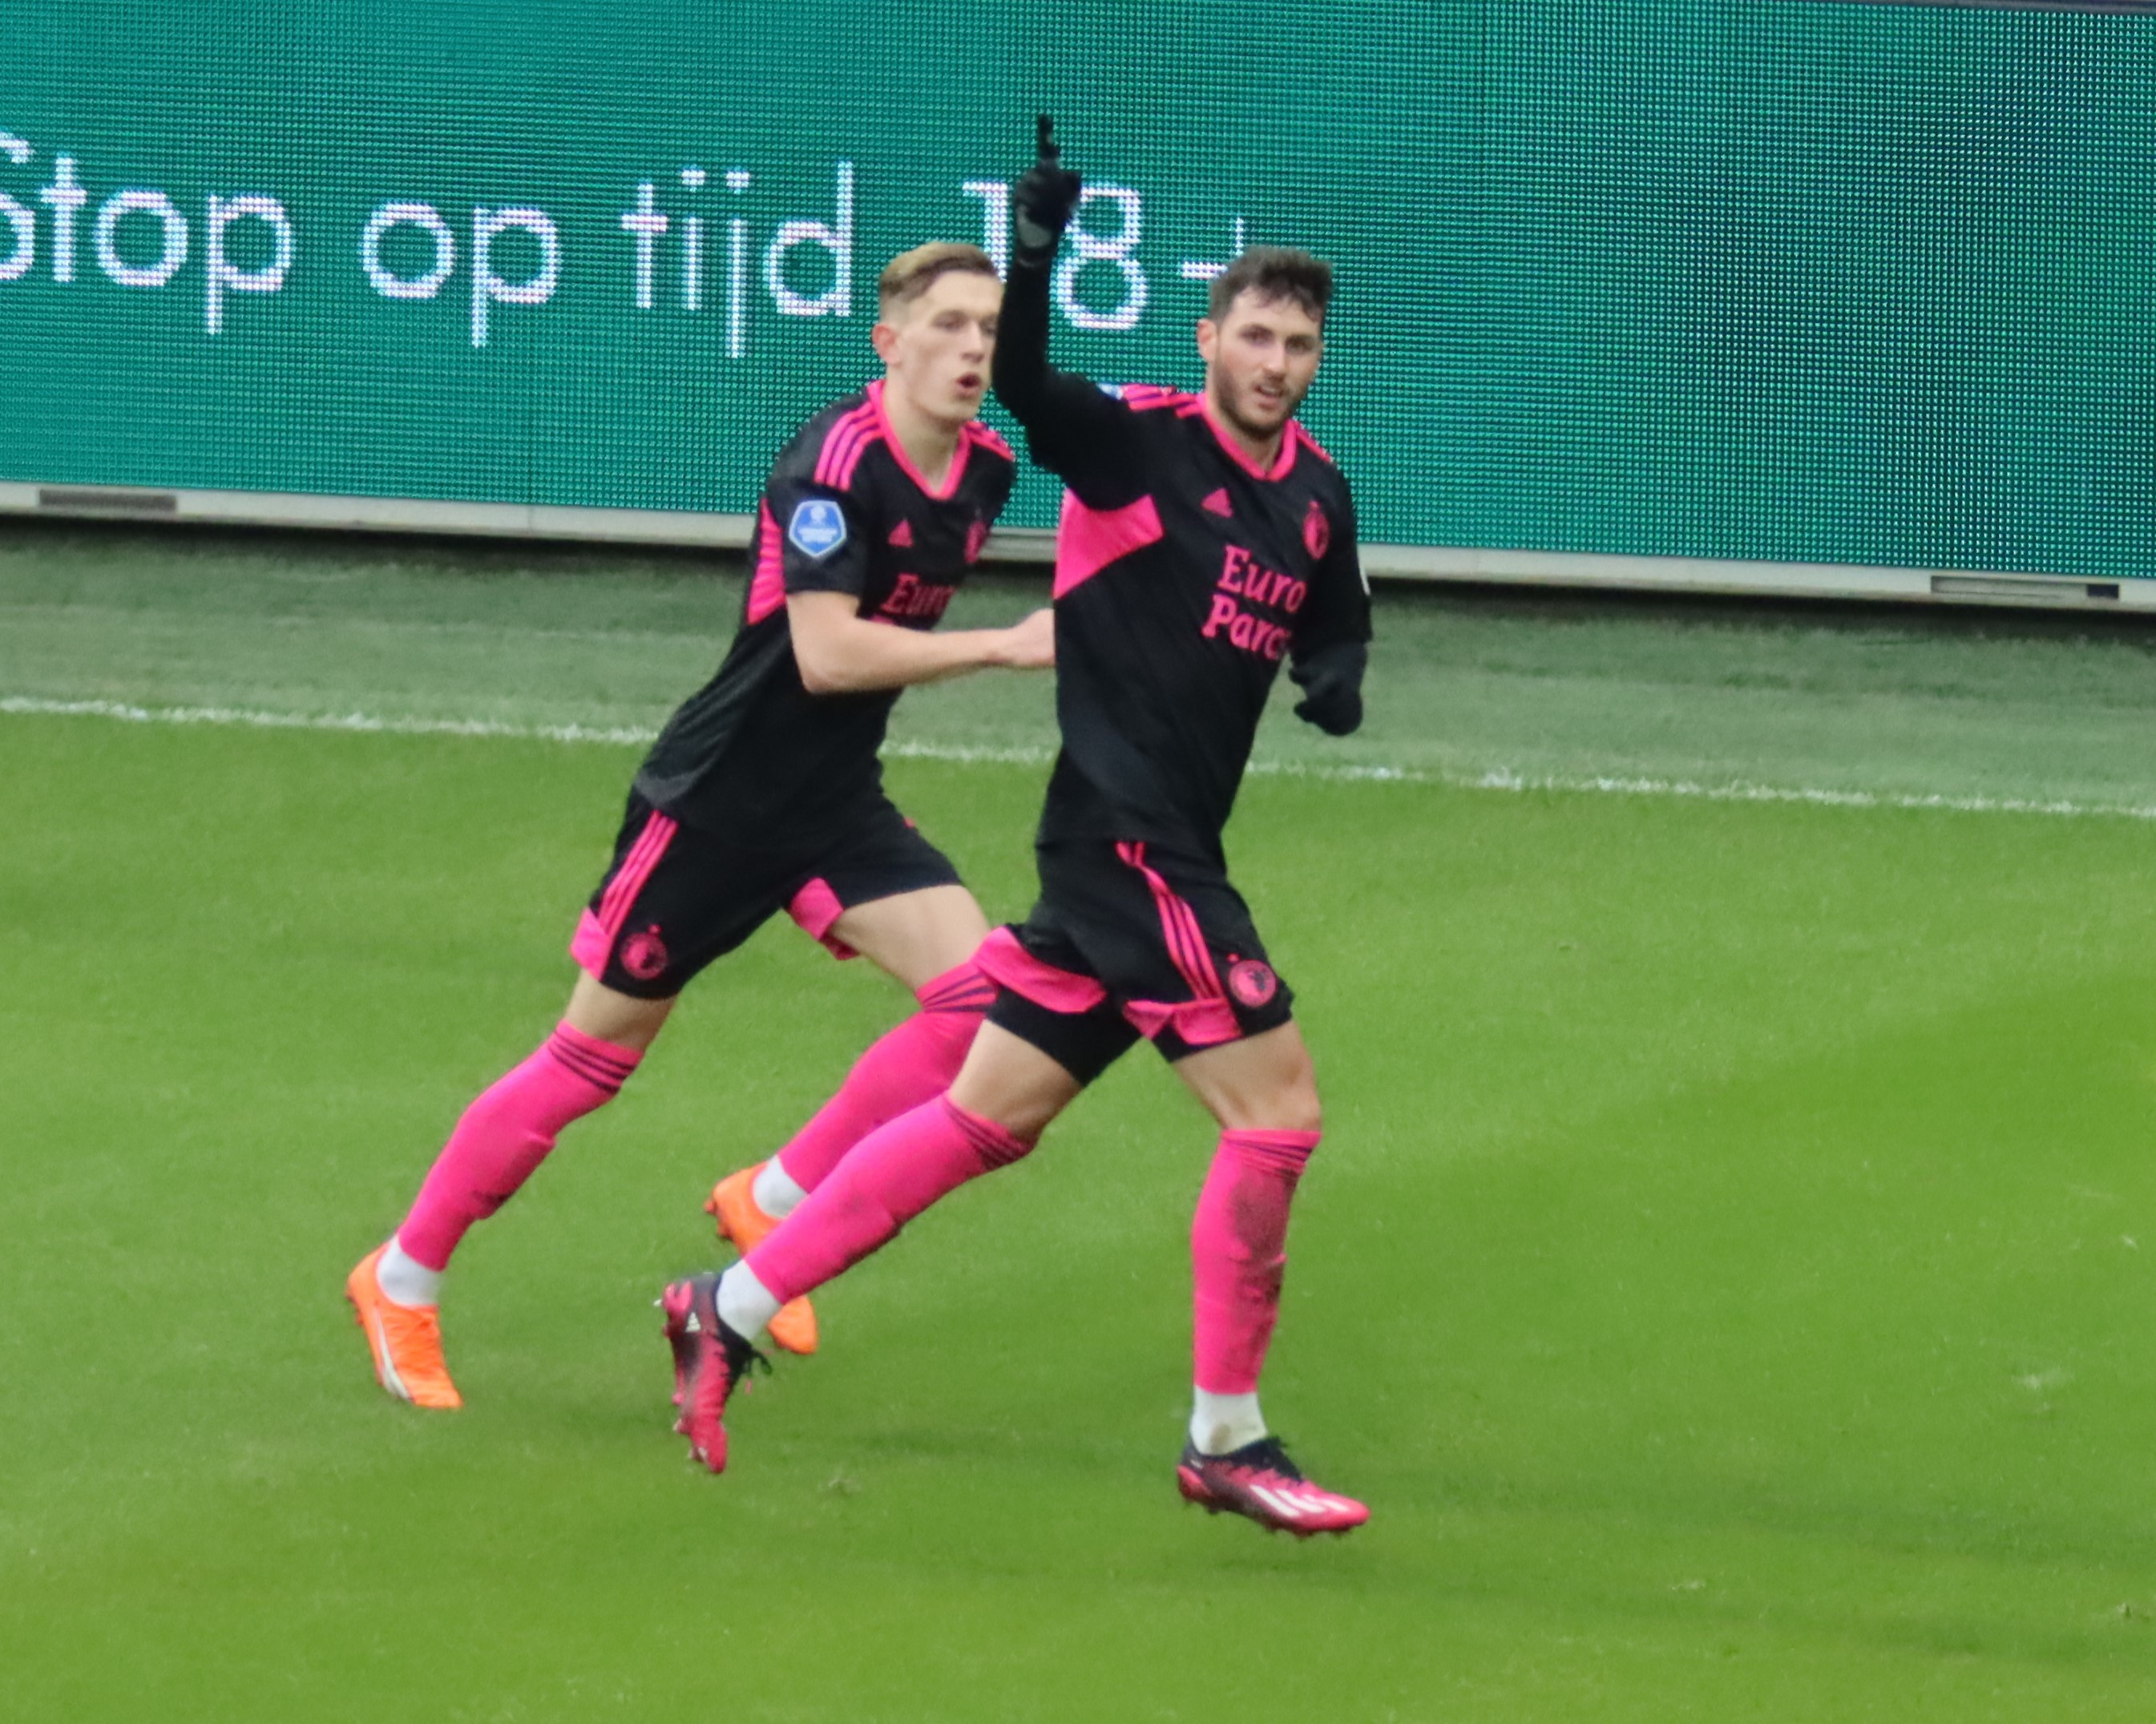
1259 361
936 349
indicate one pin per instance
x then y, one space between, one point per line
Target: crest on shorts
1252 983
644 954
977 536
818 526
1316 531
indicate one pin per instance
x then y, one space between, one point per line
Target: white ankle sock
745 1303
1221 1422
405 1280
774 1190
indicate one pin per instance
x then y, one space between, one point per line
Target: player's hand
1332 681
1032 643
1043 200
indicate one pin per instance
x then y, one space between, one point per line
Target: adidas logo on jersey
902 534
1217 504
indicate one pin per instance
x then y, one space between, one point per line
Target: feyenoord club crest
1252 983
644 954
977 536
1316 530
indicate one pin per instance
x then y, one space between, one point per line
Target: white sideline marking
257 719
1824 798
631 734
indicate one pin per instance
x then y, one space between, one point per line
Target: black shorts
1129 940
677 896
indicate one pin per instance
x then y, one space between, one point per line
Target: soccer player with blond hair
764 792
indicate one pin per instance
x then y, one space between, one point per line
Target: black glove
1042 201
1332 681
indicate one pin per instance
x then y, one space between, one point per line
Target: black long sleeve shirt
1183 573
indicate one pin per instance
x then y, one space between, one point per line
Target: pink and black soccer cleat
710 1361
1258 1480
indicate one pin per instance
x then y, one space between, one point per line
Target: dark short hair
1274 272
912 273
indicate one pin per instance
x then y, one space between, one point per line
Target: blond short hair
912 273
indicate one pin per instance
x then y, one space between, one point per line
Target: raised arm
1072 428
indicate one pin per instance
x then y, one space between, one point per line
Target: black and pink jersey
1183 572
844 511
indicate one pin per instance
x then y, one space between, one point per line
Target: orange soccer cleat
742 1222
406 1340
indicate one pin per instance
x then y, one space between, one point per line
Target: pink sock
909 1064
1238 1251
892 1175
506 1133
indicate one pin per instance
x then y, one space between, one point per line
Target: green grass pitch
1727 1274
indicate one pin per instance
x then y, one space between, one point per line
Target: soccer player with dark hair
1204 538
764 792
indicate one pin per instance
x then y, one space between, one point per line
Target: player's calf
507 1132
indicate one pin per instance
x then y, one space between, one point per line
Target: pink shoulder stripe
841 453
854 450
1316 448
1143 398
988 437
835 443
846 431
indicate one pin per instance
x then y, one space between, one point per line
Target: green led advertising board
1774 280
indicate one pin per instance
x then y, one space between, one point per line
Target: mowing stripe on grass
1598 784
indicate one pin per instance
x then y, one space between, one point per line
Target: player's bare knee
1012 1083
1266 1083
607 1015
1297 1095
1309 1116
1293 1106
1024 1115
